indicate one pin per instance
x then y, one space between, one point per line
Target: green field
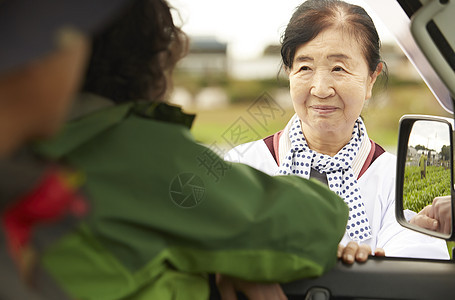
210 125
418 193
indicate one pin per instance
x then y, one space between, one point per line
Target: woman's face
329 83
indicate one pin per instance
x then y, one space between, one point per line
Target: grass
210 125
418 193
450 245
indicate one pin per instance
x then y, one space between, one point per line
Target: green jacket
161 220
423 162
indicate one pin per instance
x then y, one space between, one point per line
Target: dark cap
30 28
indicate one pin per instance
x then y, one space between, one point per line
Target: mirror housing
406 125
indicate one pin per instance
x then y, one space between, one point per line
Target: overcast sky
432 135
247 25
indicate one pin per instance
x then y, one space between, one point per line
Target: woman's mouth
324 109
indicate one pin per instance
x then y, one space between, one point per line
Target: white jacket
377 186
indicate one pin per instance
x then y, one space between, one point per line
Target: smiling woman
329 88
330 51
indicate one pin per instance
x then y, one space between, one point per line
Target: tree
420 147
445 152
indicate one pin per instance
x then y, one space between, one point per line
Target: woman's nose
322 85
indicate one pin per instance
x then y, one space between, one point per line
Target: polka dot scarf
340 176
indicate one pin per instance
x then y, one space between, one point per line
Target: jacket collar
87 123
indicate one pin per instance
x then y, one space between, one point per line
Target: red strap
46 203
276 142
375 152
272 142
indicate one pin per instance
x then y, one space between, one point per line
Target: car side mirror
425 175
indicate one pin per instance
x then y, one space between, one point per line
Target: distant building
264 67
397 62
413 156
272 50
207 56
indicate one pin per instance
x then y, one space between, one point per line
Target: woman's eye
337 69
305 68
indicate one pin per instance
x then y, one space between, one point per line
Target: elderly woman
330 51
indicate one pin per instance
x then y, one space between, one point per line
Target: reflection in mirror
427 181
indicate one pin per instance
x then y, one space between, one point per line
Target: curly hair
133 58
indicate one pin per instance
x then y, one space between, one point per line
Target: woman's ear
372 79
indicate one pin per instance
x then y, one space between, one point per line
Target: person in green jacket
160 219
423 166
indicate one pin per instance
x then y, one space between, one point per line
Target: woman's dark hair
133 58
314 16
